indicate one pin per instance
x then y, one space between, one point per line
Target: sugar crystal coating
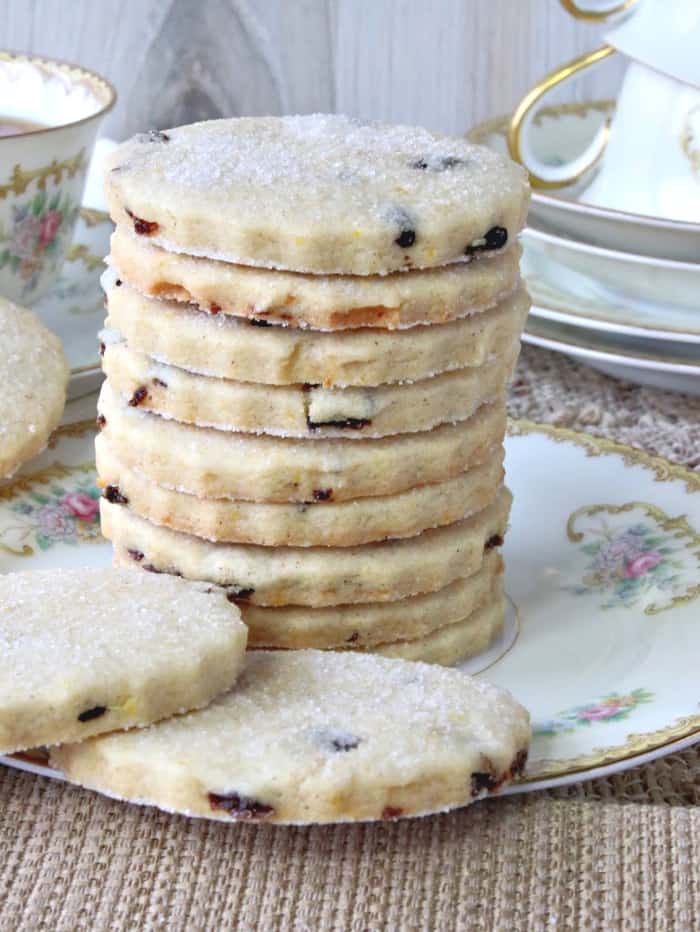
318 736
316 193
33 379
89 650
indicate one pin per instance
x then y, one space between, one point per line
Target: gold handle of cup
587 16
532 98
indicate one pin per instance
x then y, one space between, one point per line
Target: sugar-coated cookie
321 193
33 379
378 572
220 464
86 651
313 736
231 348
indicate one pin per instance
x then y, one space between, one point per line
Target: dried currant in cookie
258 322
113 495
141 226
136 555
102 348
90 714
496 540
160 383
101 421
335 740
214 308
348 423
406 239
322 495
391 812
239 593
139 395
483 781
438 164
495 238
238 806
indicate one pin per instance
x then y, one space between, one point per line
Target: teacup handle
596 16
555 176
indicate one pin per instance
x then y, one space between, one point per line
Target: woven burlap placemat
615 853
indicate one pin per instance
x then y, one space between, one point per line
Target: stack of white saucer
616 290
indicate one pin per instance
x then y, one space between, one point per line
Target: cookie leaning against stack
312 322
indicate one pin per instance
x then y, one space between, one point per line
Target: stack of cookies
312 322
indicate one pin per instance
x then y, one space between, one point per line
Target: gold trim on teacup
499 126
99 86
20 179
590 16
531 99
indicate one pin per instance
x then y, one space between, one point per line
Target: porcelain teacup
648 154
50 112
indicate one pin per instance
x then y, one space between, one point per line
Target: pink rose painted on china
50 225
642 564
81 505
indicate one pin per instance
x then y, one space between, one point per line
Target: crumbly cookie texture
33 379
231 348
217 464
450 644
88 651
304 411
379 572
322 302
362 625
317 193
312 736
318 524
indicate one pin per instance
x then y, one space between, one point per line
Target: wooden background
443 63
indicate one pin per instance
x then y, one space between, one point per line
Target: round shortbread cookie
323 302
87 651
319 193
378 572
318 524
452 643
33 379
230 348
215 464
311 412
363 625
316 736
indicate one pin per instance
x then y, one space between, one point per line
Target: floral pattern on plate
40 226
636 555
611 708
58 505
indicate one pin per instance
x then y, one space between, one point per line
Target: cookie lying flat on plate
306 411
87 651
324 302
317 193
33 379
309 736
231 348
318 524
220 464
379 572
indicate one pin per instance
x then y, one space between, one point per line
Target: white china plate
74 308
669 366
560 132
603 568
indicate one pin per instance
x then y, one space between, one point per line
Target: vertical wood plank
445 64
